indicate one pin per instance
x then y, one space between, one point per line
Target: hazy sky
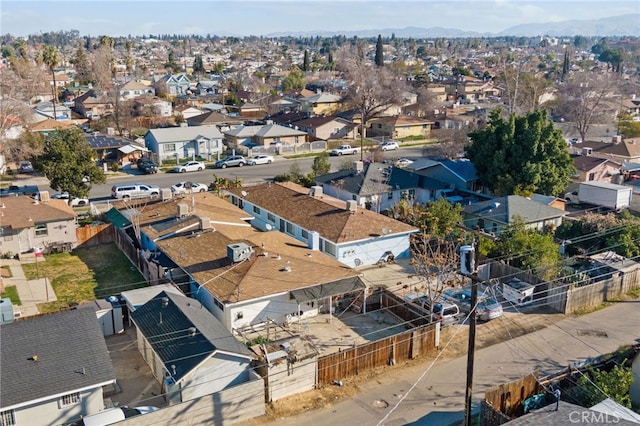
240 17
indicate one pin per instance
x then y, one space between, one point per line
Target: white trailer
518 292
602 194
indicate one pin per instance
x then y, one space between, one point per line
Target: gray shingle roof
377 178
503 209
167 330
173 134
71 351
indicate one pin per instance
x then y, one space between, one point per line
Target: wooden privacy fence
88 236
401 347
594 294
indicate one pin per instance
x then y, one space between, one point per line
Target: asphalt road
434 394
248 174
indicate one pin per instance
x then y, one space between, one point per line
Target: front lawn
85 275
12 293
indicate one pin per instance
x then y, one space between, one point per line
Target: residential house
631 106
54 368
184 142
92 105
172 84
27 223
320 103
50 125
188 350
597 169
152 106
493 216
240 274
214 118
248 110
469 89
401 126
376 186
187 111
44 111
617 149
245 137
288 119
459 174
110 148
327 127
286 104
135 88
354 236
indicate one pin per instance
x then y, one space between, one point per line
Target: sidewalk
31 292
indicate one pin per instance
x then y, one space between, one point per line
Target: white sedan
403 162
390 146
75 202
187 187
260 159
189 166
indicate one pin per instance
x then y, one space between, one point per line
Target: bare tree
582 99
372 89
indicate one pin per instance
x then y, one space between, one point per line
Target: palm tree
51 59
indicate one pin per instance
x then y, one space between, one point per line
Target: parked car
113 415
148 167
134 190
403 162
75 201
186 187
25 167
390 146
488 307
445 312
189 166
260 159
234 160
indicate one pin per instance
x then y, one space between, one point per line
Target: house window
354 197
69 399
389 195
271 217
329 248
305 234
41 229
296 139
169 147
7 418
289 227
256 210
592 176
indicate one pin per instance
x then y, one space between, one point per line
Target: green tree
525 248
521 153
198 65
305 61
294 80
321 164
67 157
597 385
379 58
627 127
51 59
81 63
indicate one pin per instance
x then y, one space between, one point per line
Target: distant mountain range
624 25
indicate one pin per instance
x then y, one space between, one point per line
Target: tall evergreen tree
565 64
379 59
305 62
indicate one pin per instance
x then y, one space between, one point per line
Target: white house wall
49 412
369 252
215 374
278 307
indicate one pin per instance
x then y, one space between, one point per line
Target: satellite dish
269 227
385 231
357 262
244 193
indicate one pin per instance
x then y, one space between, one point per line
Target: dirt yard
453 341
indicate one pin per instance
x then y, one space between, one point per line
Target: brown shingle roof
17 211
326 215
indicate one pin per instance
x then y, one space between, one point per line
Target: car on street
233 161
25 167
148 167
187 187
75 201
390 146
189 166
260 159
403 162
487 309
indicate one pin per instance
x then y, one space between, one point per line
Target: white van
134 190
445 312
113 415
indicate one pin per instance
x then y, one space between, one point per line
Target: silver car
488 308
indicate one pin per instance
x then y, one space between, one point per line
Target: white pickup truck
345 150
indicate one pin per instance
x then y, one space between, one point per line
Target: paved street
434 395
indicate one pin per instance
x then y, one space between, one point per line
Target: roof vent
192 331
239 252
165 302
44 196
315 191
352 205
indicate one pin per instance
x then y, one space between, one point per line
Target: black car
147 166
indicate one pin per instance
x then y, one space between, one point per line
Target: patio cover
128 149
335 288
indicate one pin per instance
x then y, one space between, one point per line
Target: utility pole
471 268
